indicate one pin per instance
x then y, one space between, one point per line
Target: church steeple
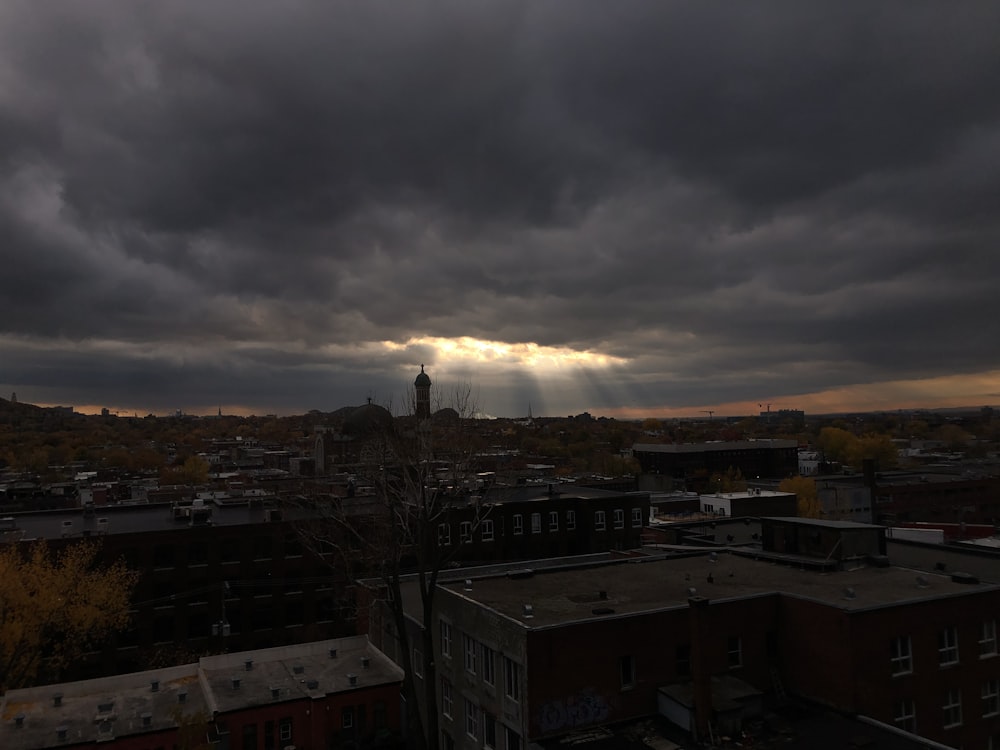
422 386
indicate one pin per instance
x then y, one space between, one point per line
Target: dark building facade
693 464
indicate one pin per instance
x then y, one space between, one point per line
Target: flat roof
650 584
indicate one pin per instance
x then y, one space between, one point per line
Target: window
734 647
487 527
991 698
599 520
619 518
536 523
518 523
489 731
470 654
445 639
553 520
249 737
465 531
513 739
636 517
347 717
988 639
471 719
446 698
444 534
511 679
948 646
570 519
626 668
901 655
489 665
418 663
285 729
952 708
904 715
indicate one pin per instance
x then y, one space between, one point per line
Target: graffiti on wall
586 707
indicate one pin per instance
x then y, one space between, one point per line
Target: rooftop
156 700
645 584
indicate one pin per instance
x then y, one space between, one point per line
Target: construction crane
709 412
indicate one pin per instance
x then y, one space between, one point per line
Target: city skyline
638 210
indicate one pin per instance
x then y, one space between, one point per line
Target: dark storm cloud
736 200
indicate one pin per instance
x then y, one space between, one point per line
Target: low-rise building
337 693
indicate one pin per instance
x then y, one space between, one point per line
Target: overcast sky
645 208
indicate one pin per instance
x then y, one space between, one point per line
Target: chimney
700 672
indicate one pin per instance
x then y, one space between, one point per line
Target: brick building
533 655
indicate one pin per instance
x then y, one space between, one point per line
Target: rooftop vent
182 696
18 720
966 578
298 669
922 582
850 593
713 557
154 686
333 653
147 719
468 584
529 611
312 684
366 661
602 595
352 679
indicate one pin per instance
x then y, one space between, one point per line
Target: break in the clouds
646 206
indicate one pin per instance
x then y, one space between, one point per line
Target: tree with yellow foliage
56 606
806 495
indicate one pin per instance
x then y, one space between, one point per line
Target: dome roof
422 379
368 419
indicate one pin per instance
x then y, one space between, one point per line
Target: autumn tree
56 606
806 495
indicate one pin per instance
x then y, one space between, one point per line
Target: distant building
693 464
753 502
422 389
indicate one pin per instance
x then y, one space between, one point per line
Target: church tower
422 386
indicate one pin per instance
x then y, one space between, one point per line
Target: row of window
486 526
901 648
481 660
905 713
480 724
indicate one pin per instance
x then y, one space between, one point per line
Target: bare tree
416 475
